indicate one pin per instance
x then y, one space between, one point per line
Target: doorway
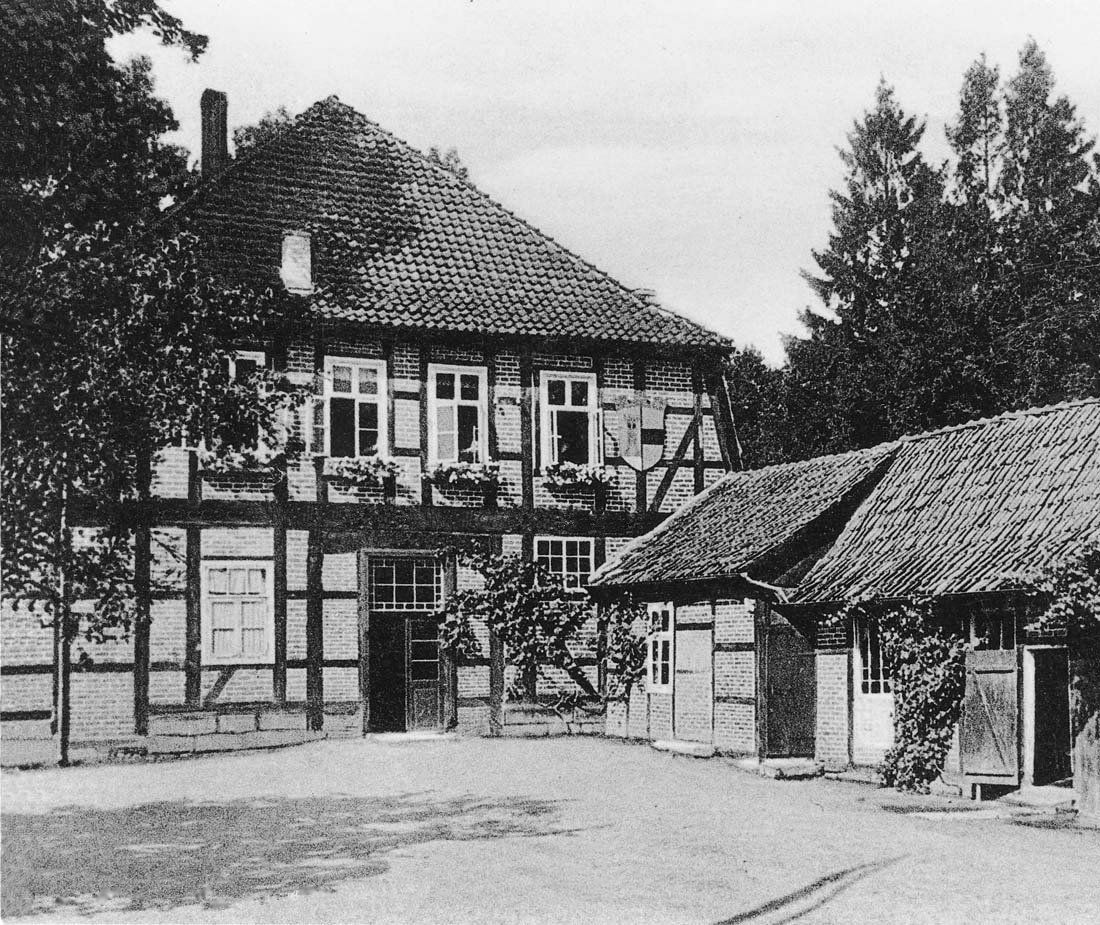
1047 743
404 689
789 686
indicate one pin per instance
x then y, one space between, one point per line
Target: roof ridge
480 193
1012 415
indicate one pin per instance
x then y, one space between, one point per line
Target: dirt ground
562 830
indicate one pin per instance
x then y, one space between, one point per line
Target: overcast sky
682 147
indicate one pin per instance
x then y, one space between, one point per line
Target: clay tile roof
741 519
399 241
970 509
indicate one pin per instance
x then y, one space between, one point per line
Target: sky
683 147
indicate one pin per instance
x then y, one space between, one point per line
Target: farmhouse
475 387
742 581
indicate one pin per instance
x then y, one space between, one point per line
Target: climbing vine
542 624
924 655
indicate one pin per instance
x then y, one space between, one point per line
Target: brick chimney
215 144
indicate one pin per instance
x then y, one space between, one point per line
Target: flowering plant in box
465 474
576 475
224 460
361 470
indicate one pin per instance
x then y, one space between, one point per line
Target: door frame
1027 708
448 671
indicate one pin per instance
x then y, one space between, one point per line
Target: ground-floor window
570 558
659 669
873 676
238 617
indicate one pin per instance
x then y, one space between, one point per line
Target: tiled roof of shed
399 241
740 519
971 509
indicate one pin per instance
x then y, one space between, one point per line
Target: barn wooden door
789 685
989 737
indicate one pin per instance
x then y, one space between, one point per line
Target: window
296 270
238 619
659 669
569 419
355 397
993 629
405 584
243 366
873 677
457 412
569 558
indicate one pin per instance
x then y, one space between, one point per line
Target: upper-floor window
238 616
569 418
296 270
570 558
243 366
659 660
457 414
355 400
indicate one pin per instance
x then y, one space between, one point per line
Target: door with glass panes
404 677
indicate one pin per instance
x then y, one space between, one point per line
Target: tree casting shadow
163 855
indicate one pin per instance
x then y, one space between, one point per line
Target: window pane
425 650
470 387
225 643
218 580
246 368
341 418
555 391
224 615
368 381
572 431
237 581
654 660
341 378
256 581
578 393
664 662
468 434
252 642
424 671
253 614
665 622
445 433
368 428
444 385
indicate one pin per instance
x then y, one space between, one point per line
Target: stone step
1040 799
227 741
782 768
682 747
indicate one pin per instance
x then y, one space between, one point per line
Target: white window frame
863 631
482 405
290 272
208 656
565 576
547 445
382 448
654 641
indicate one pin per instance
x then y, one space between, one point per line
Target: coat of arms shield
640 431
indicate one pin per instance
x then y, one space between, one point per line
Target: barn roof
970 509
399 241
741 520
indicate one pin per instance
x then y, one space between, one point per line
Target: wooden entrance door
1051 742
789 685
988 734
386 672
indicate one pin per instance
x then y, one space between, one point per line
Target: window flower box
221 460
565 475
469 475
367 471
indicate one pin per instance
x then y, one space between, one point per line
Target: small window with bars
570 558
239 619
405 584
659 667
874 678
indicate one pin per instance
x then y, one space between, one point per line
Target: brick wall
832 729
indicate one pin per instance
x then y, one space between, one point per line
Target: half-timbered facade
462 354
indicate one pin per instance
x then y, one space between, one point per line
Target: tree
841 376
247 137
449 160
116 336
756 398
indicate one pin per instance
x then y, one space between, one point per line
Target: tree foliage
449 160
948 292
247 137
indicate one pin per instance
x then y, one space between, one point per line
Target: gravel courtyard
564 830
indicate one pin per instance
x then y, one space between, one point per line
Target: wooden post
447 668
192 660
526 429
697 420
315 614
639 477
425 485
364 637
278 674
142 620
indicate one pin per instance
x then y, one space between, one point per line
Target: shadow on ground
164 855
